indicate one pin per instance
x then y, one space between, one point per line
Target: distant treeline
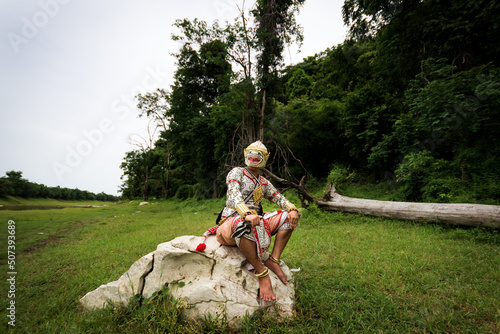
14 185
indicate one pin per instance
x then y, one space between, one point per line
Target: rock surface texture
215 281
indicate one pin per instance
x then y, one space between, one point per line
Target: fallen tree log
460 214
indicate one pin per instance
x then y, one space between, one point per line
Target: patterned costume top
242 184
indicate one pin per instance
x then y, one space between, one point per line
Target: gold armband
242 209
289 207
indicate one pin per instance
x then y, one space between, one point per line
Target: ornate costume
245 192
242 184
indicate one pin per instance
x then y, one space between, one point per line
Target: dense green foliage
15 185
412 100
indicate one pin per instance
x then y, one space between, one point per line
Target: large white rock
215 281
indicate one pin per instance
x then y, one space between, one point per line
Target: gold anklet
262 274
274 260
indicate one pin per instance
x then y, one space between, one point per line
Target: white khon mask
256 155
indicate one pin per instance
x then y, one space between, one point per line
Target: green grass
358 274
383 191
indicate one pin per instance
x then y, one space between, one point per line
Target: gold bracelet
274 260
290 207
262 274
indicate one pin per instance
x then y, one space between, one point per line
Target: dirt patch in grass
42 244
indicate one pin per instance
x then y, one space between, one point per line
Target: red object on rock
201 247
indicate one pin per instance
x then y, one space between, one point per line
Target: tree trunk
461 214
214 189
145 187
261 121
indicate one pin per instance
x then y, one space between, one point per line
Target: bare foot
266 289
277 270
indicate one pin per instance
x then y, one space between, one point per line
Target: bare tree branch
299 187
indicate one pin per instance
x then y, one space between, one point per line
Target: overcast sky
70 69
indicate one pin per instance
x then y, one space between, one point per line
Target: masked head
256 155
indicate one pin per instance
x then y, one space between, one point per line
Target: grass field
358 274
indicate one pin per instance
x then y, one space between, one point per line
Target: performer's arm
277 198
274 196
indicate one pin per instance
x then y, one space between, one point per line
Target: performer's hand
293 217
253 219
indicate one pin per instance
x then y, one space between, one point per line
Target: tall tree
276 28
202 78
154 106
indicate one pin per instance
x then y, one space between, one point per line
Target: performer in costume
244 225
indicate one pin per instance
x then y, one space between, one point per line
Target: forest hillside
410 101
